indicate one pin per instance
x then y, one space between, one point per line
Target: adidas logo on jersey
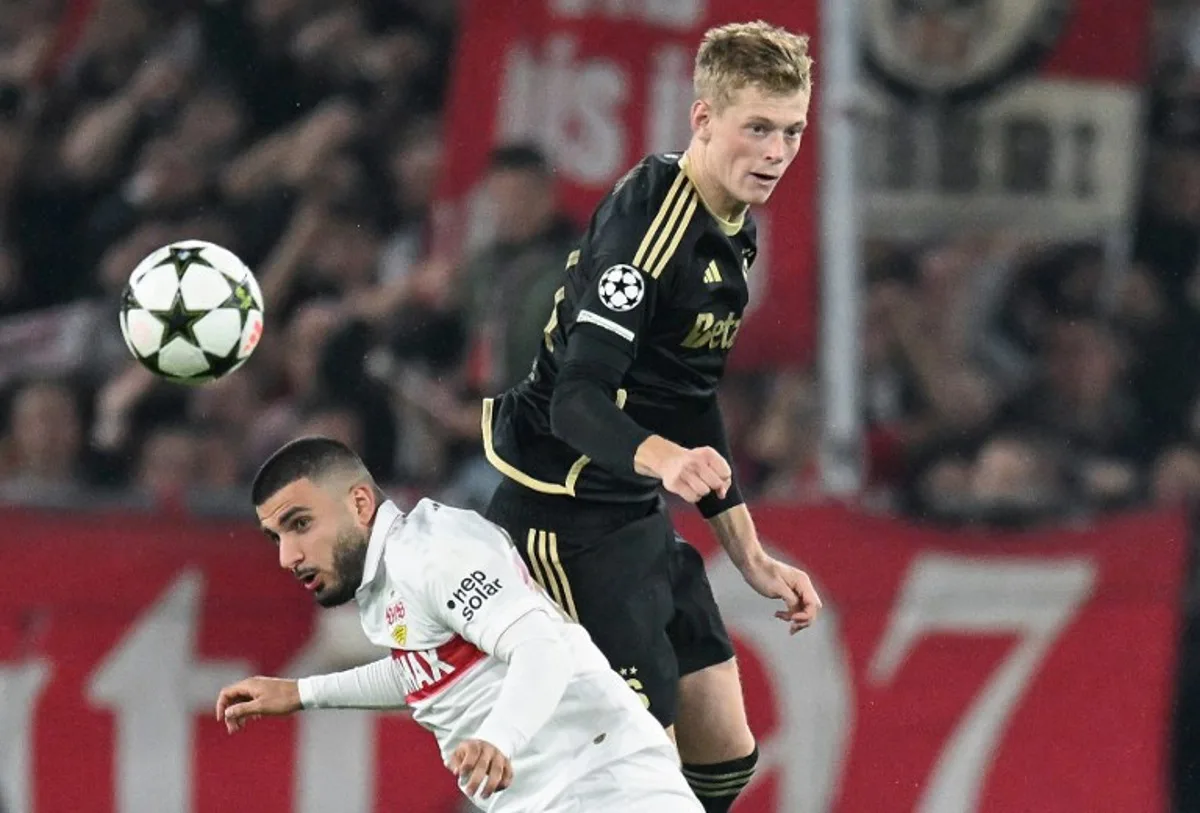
712 274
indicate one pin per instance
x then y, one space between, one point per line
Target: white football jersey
440 586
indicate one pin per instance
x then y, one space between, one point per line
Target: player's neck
720 204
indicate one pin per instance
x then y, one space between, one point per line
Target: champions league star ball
192 312
621 287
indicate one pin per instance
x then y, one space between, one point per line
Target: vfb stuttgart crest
954 51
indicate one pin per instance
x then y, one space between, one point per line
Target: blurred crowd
1004 381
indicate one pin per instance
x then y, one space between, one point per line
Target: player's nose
290 555
776 148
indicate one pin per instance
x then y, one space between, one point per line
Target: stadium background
965 397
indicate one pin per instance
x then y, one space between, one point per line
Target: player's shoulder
434 529
640 193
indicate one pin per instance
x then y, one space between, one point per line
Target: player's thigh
622 597
610 575
617 585
710 721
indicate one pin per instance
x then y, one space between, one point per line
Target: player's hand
256 697
774 579
480 765
695 473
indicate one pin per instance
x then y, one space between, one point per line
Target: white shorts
647 781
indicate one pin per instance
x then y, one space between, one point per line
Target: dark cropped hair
305 458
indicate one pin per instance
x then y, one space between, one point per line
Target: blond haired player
622 402
526 710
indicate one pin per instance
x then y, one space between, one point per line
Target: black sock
716 786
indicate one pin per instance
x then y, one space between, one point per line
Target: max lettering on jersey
426 672
473 591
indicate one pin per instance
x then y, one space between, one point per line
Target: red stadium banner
969 673
599 84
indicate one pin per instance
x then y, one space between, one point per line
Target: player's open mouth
310 581
764 177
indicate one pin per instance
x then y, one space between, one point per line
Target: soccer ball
621 287
192 312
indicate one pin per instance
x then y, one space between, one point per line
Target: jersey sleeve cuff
711 505
308 693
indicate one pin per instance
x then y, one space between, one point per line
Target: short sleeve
476 584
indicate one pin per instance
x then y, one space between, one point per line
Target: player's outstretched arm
734 528
256 697
372 686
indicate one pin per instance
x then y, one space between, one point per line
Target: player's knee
718 784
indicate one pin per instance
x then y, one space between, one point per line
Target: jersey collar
729 227
386 515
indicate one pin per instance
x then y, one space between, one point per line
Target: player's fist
695 473
256 697
480 766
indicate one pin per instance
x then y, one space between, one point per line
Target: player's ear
363 497
701 119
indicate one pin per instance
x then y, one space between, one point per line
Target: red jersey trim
426 673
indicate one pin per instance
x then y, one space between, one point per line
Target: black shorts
621 571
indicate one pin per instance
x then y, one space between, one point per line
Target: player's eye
758 129
302 524
794 132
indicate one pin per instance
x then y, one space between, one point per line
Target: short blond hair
737 55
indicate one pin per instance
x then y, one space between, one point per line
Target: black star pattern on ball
179 321
181 258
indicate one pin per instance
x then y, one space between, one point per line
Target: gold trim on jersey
729 227
542 547
661 239
552 322
567 487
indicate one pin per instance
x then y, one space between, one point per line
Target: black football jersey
662 278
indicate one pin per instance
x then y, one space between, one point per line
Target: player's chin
757 195
333 595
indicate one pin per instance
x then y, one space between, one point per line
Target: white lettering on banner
155 687
813 682
943 594
1035 600
680 14
20 687
669 101
1044 157
572 107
